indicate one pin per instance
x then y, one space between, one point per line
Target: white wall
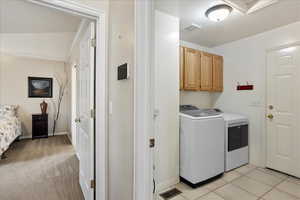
197 98
121 134
245 60
166 100
51 46
14 72
196 46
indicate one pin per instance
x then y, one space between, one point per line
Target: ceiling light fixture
218 13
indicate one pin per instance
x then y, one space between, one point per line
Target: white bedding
10 129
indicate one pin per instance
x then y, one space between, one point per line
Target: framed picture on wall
39 87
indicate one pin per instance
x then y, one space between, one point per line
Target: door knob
270 116
77 120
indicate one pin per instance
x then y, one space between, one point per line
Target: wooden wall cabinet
200 71
206 78
181 68
192 59
217 73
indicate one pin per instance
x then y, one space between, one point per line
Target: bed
10 127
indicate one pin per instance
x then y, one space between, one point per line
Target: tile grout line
287 193
286 176
273 187
245 175
258 197
231 182
266 183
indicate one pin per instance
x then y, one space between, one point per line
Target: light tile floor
245 183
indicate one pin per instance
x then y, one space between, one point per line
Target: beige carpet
43 169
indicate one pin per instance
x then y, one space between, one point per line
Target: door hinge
93 184
93 113
152 143
156 113
93 42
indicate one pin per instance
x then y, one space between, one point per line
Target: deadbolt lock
270 116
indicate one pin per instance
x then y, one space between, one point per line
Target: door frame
74 106
143 99
265 127
101 86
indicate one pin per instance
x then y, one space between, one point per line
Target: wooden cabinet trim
206 79
181 70
217 73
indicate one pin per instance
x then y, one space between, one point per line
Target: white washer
237 140
202 142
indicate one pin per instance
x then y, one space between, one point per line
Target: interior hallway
42 169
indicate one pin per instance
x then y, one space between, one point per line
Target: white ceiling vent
192 27
250 6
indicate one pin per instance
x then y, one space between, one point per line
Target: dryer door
237 137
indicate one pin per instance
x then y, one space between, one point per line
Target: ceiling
248 18
249 6
19 16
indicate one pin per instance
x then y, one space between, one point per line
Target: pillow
8 110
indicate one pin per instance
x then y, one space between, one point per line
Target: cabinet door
182 68
206 71
192 69
218 73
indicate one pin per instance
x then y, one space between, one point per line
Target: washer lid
200 117
200 114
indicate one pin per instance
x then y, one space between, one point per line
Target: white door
166 101
283 110
85 106
74 105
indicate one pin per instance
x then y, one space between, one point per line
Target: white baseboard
23 137
60 133
167 184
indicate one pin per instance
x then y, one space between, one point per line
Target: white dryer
237 140
202 143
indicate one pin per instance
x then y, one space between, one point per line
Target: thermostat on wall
123 72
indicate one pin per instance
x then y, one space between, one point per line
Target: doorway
283 110
93 70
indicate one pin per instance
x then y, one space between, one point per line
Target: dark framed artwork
39 87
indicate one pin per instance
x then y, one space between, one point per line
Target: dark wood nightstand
39 126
